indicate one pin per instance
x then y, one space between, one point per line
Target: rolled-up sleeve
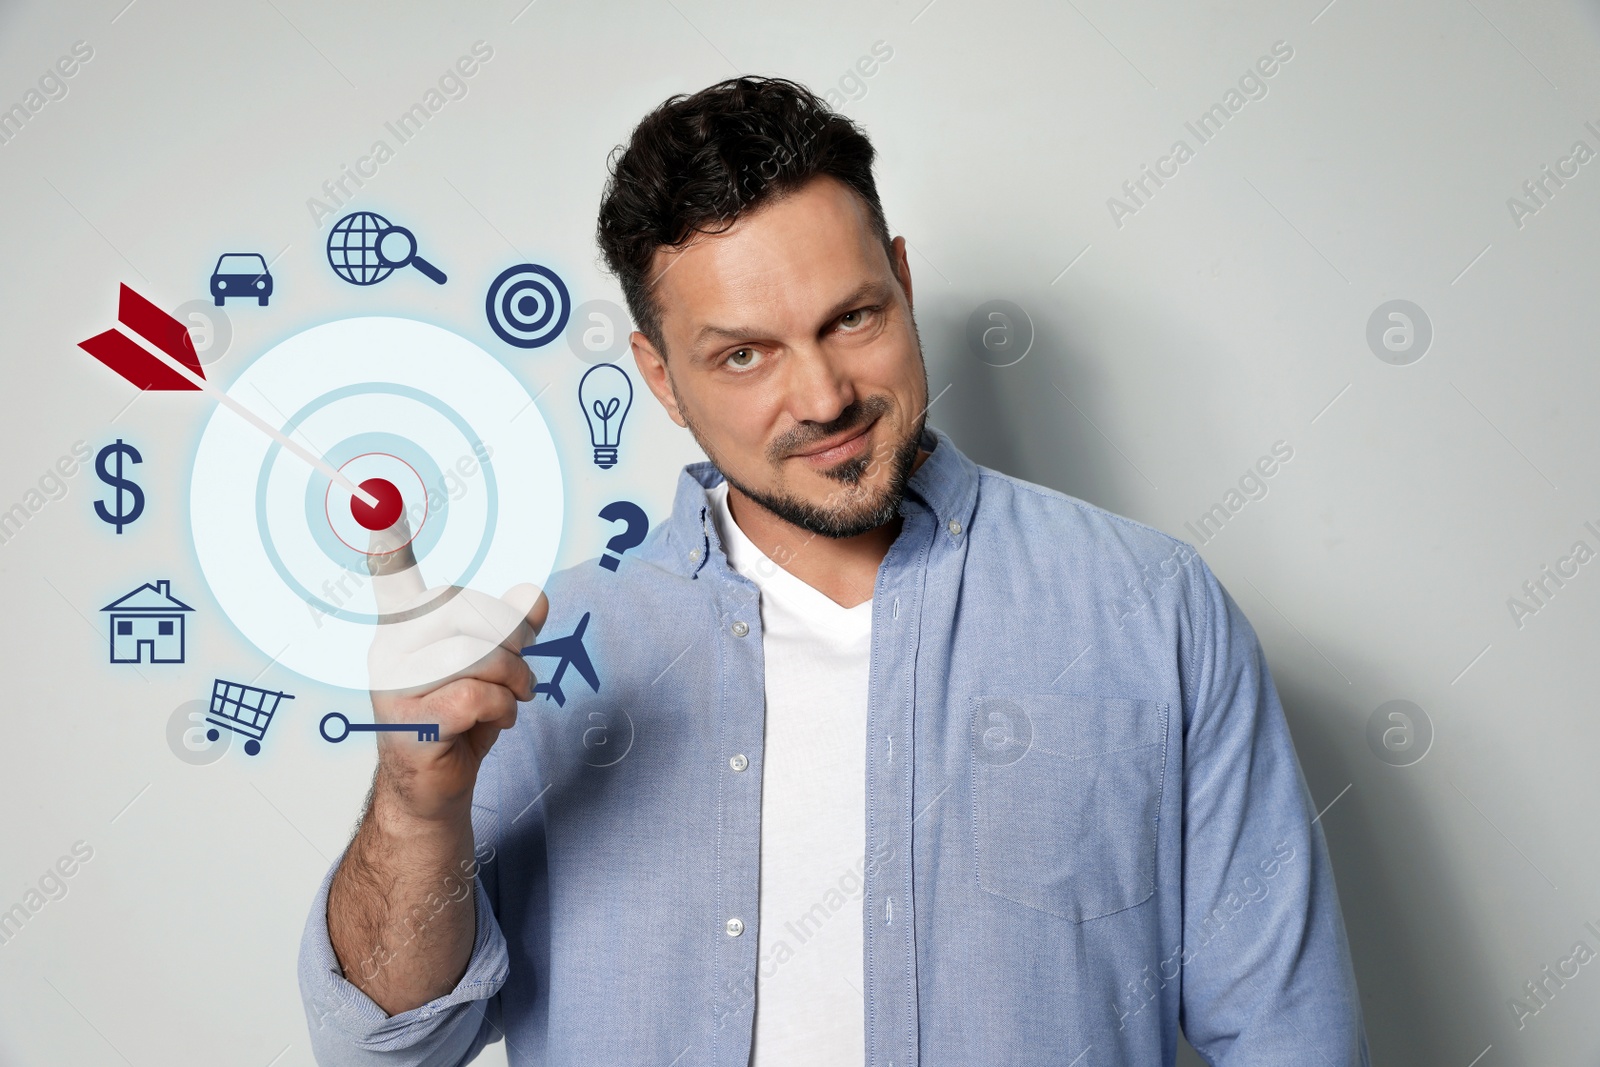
349 1030
1267 974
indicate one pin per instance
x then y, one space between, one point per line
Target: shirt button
955 527
735 927
739 628
694 554
738 762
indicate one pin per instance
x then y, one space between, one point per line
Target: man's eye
743 358
851 319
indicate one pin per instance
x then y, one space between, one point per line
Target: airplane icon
569 650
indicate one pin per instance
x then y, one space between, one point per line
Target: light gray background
1229 313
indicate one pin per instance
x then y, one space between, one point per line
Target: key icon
425 731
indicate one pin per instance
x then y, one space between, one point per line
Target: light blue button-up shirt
1086 824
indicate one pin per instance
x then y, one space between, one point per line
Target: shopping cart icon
244 709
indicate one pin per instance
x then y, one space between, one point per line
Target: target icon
406 420
527 305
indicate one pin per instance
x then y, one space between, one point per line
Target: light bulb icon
605 393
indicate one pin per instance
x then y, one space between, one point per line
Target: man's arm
402 944
1266 972
381 904
348 1028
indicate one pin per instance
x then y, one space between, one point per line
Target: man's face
793 359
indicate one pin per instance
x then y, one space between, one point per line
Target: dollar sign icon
119 517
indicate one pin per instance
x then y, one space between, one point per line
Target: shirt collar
946 484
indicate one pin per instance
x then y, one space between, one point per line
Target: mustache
853 417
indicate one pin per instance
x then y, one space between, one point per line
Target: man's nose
818 388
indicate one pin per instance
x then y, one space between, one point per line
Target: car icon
241 274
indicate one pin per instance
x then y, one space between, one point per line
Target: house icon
147 622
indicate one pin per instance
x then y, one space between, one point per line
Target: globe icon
353 248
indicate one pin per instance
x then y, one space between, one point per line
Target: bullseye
387 510
400 493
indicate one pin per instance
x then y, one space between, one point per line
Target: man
894 759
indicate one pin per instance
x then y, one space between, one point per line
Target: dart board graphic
423 421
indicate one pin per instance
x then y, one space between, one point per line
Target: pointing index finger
396 579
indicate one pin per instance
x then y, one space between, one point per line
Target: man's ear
653 369
902 268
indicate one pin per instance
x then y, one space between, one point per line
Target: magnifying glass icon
397 247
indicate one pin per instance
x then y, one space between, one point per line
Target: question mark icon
638 524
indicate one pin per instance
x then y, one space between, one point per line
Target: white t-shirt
809 1007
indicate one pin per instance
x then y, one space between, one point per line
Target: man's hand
472 644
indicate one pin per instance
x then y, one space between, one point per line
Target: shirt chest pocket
1066 793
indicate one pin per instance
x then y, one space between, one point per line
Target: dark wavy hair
697 163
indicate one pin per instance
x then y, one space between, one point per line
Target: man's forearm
400 908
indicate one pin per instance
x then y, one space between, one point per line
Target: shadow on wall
1016 419
1384 852
1391 871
